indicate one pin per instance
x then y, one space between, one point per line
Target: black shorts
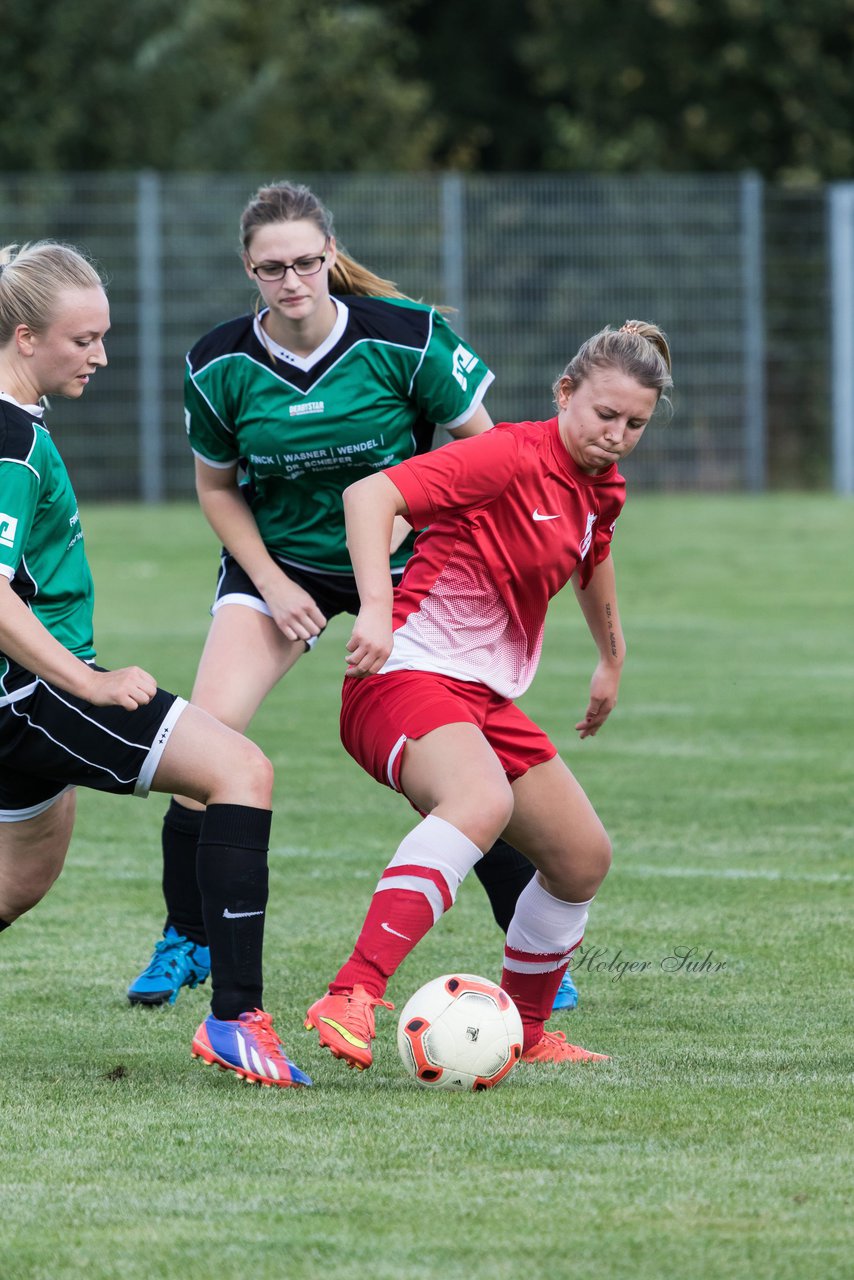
50 741
333 593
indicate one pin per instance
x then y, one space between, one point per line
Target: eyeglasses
272 271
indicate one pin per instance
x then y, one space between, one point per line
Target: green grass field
718 1140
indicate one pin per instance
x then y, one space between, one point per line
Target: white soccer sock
543 925
439 846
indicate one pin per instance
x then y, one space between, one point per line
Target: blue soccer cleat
567 994
176 963
250 1048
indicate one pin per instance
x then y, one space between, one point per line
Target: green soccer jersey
41 541
303 429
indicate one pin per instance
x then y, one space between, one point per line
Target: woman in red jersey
435 666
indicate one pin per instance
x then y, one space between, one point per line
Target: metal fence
735 272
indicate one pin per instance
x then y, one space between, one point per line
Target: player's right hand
370 643
129 687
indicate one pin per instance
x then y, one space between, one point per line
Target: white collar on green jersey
303 362
36 409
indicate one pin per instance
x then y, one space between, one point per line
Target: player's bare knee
575 874
588 872
253 773
25 892
502 809
601 857
262 779
486 814
240 775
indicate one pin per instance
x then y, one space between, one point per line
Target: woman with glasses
336 376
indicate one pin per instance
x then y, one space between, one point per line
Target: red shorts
379 713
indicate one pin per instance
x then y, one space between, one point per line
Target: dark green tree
509 85
629 85
223 85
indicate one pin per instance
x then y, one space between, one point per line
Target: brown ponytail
293 202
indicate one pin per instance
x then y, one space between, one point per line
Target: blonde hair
31 278
638 349
294 202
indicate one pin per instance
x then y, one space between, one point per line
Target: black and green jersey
302 429
41 541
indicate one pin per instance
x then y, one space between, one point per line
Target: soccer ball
459 1032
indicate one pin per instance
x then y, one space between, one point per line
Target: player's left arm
478 422
598 601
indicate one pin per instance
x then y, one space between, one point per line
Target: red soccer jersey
511 517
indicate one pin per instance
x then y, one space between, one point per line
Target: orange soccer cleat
554 1047
346 1025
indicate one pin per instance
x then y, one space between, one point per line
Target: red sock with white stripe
418 886
542 936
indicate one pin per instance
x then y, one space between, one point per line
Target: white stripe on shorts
253 602
20 815
18 694
239 597
392 756
152 760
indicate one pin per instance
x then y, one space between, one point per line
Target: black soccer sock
180 838
233 878
503 871
4 924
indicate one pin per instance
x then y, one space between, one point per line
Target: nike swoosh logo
239 915
389 929
345 1034
538 515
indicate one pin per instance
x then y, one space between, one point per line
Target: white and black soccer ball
459 1032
